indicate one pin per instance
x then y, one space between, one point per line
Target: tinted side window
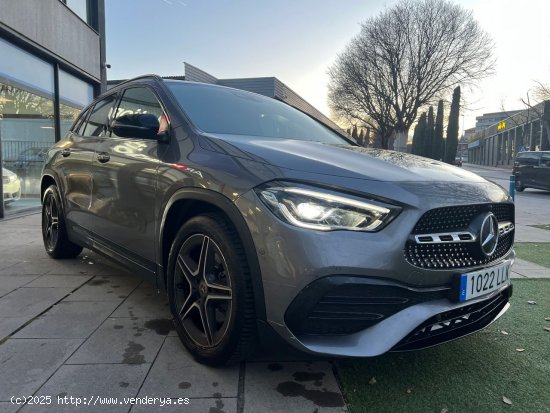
98 121
545 160
528 158
140 100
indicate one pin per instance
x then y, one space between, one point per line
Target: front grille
455 323
349 308
459 254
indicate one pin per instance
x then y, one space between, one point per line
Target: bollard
512 187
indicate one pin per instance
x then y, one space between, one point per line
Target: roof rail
152 76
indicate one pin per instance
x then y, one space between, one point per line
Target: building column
544 144
515 143
531 136
498 149
510 146
544 132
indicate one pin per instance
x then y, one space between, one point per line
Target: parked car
532 170
458 161
257 220
11 186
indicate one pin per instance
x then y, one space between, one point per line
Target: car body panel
339 160
124 199
75 176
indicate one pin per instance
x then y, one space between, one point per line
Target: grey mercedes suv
257 219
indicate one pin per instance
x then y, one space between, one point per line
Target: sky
298 40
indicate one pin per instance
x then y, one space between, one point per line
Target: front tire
54 231
210 291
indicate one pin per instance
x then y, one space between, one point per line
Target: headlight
325 211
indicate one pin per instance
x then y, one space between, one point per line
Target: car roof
522 152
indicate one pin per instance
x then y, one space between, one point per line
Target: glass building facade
39 100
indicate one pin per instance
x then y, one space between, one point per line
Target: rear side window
138 100
98 121
545 160
528 158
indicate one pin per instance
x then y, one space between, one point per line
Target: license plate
477 283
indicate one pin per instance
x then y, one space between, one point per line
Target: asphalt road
532 205
497 175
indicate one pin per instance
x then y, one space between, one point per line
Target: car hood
7 172
339 160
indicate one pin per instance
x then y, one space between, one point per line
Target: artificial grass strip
537 252
542 226
468 375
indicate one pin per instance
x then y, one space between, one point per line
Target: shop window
26 131
26 124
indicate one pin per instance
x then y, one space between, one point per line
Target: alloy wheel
203 291
50 222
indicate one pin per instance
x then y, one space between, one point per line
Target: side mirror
137 125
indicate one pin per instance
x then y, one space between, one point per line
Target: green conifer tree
429 134
452 128
418 137
438 148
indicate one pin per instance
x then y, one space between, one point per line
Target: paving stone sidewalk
87 328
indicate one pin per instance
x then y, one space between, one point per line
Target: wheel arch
183 205
45 182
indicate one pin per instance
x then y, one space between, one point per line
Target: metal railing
13 151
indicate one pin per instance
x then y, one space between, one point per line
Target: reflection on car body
11 186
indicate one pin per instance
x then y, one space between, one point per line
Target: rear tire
210 291
54 231
519 185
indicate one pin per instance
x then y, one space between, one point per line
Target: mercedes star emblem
488 235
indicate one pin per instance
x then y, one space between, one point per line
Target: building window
74 94
79 7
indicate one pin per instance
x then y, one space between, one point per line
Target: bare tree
533 110
541 91
542 94
405 58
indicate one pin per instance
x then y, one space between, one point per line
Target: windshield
224 110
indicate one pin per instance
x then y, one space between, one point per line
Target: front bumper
12 191
299 266
372 317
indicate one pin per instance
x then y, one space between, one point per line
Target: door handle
66 152
103 157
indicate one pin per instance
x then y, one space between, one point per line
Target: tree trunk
400 142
